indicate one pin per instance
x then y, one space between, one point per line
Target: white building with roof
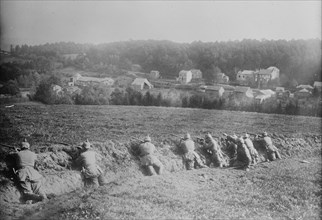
141 83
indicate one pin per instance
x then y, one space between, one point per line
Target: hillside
285 189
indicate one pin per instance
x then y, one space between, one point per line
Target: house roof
94 79
280 89
140 81
184 72
304 87
267 92
227 87
195 71
265 71
317 84
272 68
241 89
304 91
262 97
247 72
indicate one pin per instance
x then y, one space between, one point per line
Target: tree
10 88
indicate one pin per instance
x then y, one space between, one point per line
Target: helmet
234 136
241 140
265 134
25 145
147 139
187 136
86 144
246 135
208 136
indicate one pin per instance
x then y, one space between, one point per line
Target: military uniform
272 151
91 172
29 179
212 145
243 158
190 157
253 152
148 159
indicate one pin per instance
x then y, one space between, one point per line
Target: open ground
285 189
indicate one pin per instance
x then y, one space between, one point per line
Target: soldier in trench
148 159
190 158
253 152
213 147
91 172
272 151
28 178
242 157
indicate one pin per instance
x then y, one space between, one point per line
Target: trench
120 161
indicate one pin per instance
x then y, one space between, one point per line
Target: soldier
272 151
217 155
29 179
190 157
253 152
243 156
231 142
91 172
148 159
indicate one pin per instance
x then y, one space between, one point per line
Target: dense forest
298 60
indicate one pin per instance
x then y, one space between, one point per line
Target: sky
40 22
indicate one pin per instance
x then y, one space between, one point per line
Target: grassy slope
282 189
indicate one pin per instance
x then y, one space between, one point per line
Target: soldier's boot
160 170
190 165
32 196
278 156
151 170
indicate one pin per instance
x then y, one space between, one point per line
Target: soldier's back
88 158
146 148
26 158
187 145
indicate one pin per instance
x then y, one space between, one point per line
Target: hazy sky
39 22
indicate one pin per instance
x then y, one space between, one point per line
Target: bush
10 88
93 95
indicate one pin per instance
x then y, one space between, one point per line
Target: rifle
136 139
177 136
5 145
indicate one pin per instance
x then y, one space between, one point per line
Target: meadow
285 189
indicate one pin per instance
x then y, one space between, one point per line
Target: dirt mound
120 161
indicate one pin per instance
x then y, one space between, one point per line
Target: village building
318 86
201 88
73 90
154 74
141 83
58 90
185 76
303 94
222 78
196 74
215 91
243 92
279 91
71 56
246 77
77 79
264 76
228 90
262 95
308 87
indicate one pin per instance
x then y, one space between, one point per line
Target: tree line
298 60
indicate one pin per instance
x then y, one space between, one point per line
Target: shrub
11 88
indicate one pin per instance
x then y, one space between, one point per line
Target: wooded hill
298 60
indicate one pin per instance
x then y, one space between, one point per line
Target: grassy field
284 189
